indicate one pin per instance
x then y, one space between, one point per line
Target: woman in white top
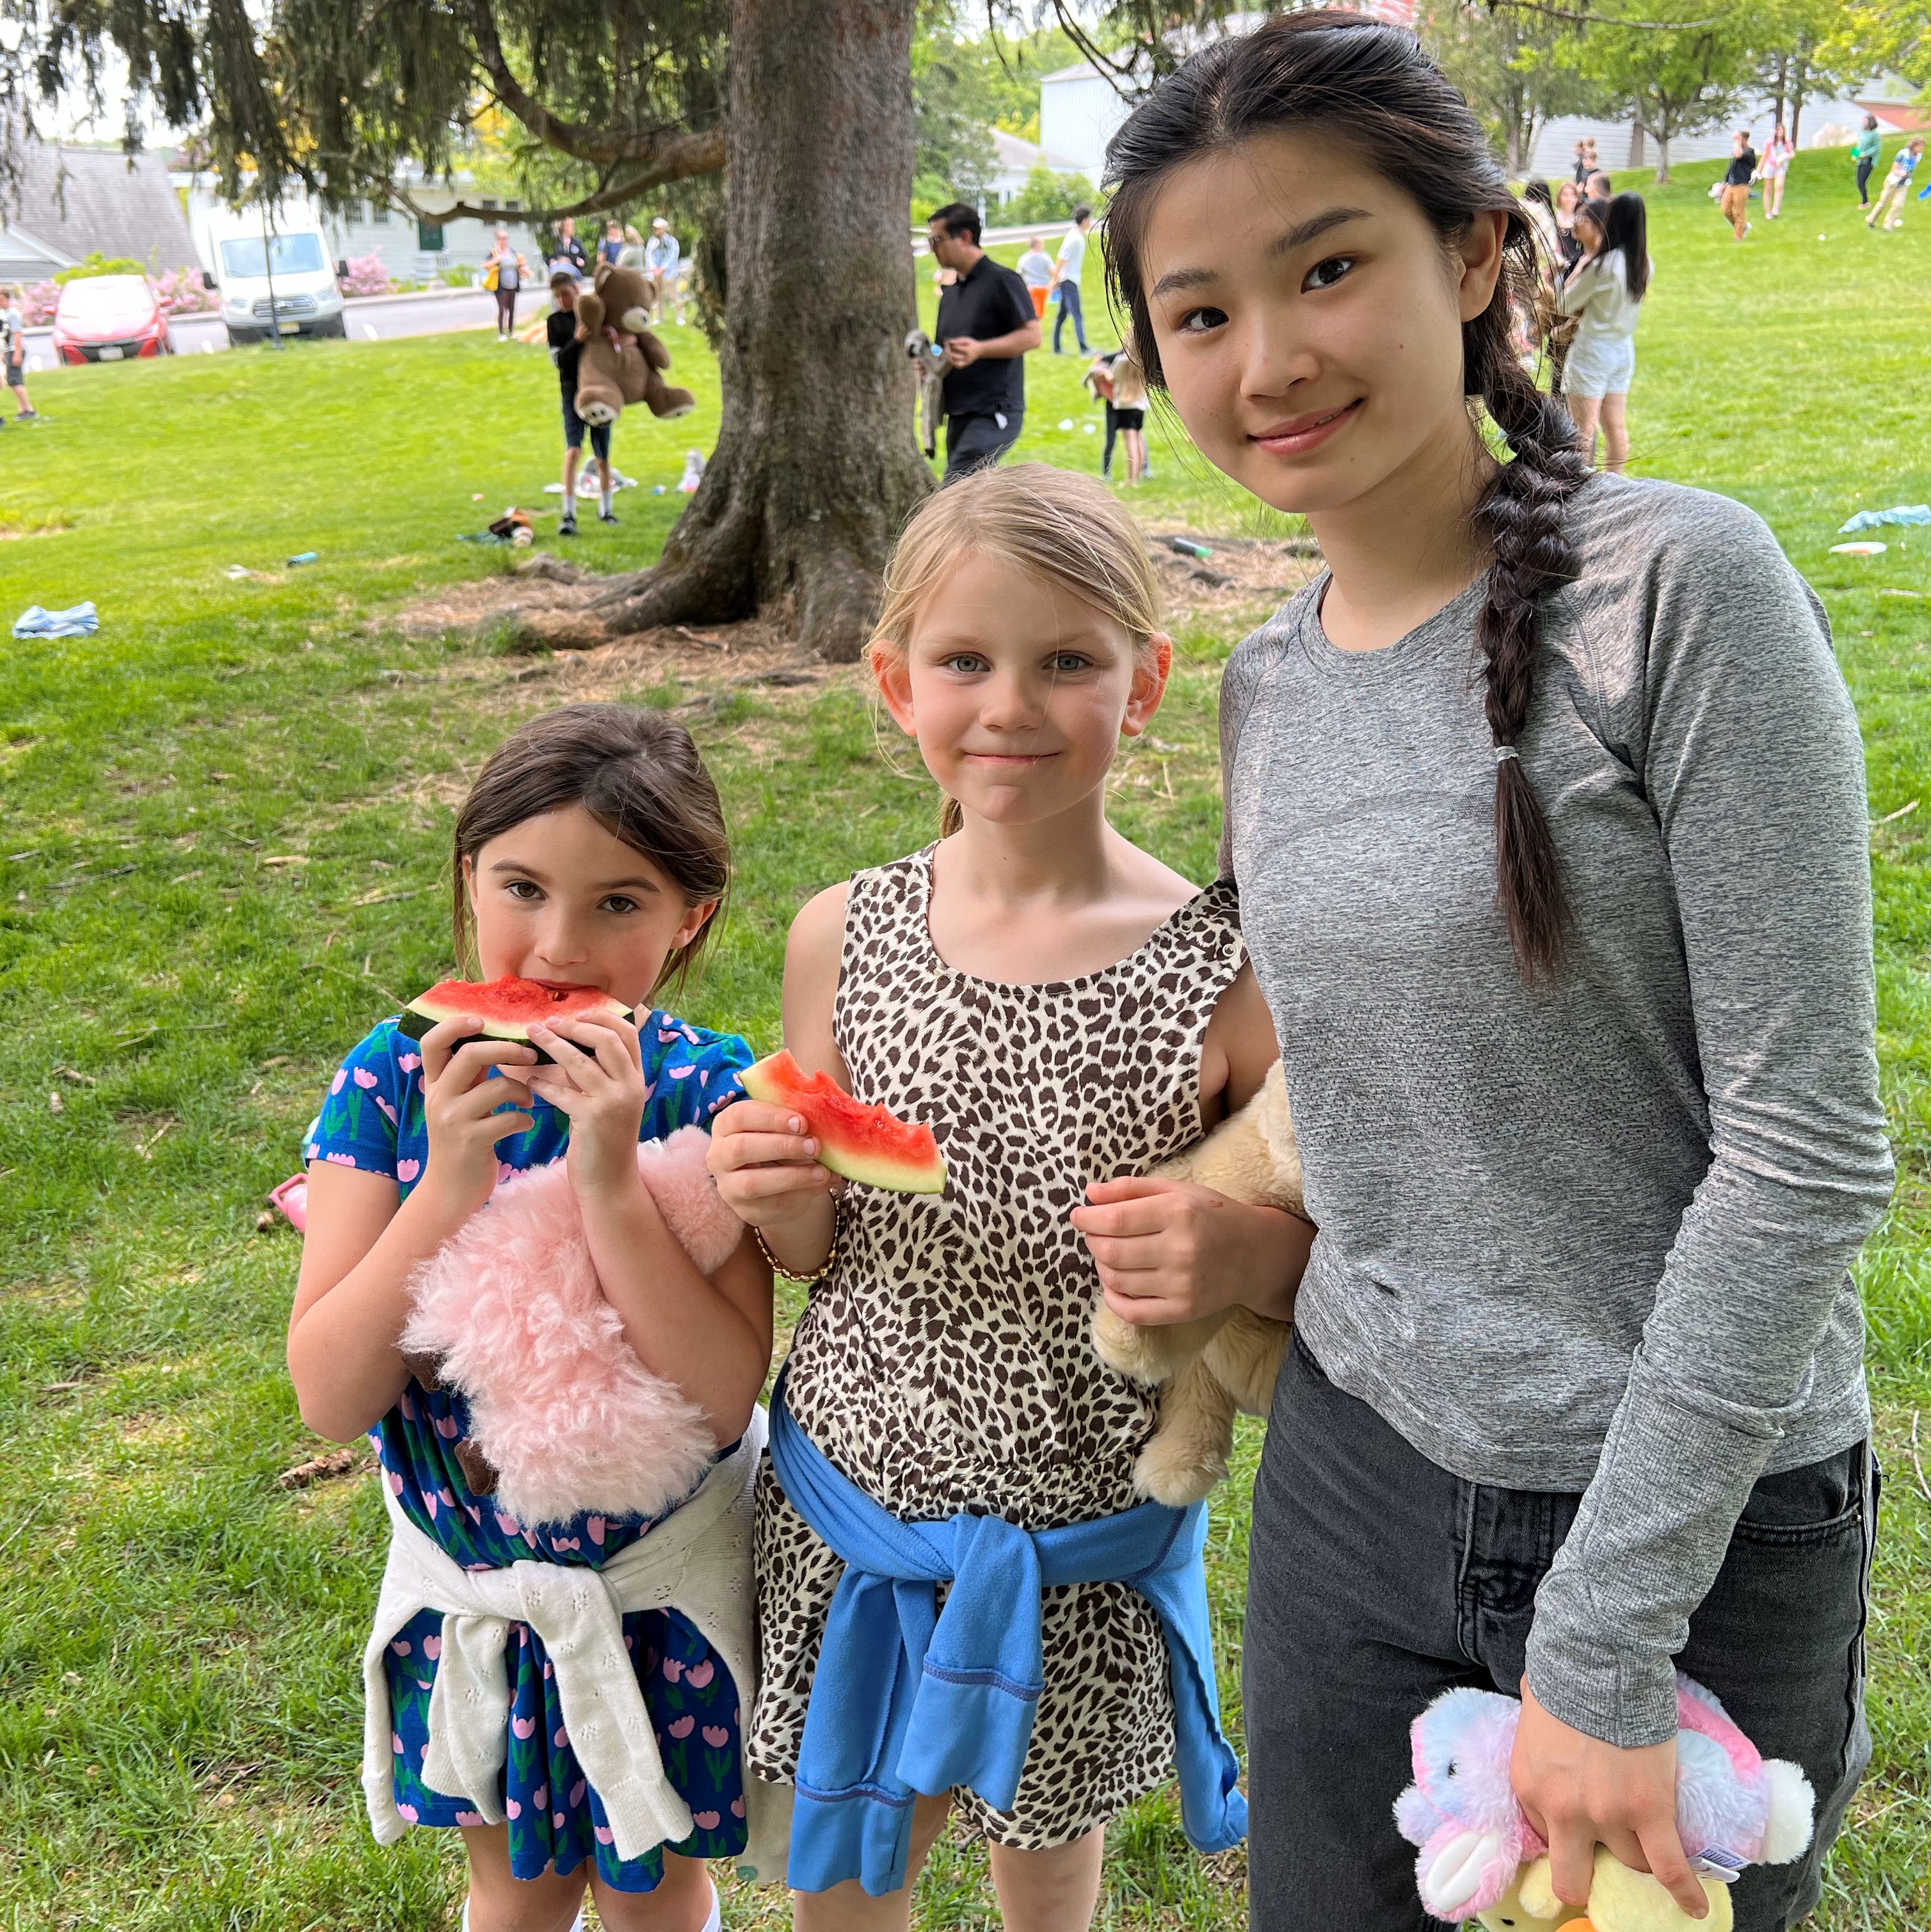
1772 165
1604 290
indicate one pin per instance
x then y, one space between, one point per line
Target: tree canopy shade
327 96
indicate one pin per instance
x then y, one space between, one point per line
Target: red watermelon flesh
863 1143
505 1007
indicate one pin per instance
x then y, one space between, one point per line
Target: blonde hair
1060 526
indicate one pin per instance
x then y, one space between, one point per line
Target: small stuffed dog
1210 1368
928 371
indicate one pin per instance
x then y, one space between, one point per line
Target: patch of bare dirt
1234 574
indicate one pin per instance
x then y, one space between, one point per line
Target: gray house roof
72 202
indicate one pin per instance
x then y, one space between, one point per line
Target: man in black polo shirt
986 324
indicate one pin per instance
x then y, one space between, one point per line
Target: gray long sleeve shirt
1592 1236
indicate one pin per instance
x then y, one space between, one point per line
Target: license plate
289 328
110 355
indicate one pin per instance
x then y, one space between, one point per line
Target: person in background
13 337
1598 187
1605 292
1129 408
660 265
1869 144
568 248
1896 185
1772 166
1583 163
1737 179
566 342
503 271
1568 199
613 244
985 325
632 256
1538 205
1066 279
1035 271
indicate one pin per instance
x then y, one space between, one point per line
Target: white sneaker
715 1922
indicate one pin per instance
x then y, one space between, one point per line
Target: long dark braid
1371 86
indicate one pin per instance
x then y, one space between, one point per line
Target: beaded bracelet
824 1268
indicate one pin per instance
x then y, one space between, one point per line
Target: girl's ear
1151 666
1480 255
695 920
893 676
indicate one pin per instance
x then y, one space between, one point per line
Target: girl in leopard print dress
1067 1012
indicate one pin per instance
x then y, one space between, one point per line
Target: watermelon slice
862 1143
505 1007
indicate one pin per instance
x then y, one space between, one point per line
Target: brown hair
1060 525
1356 81
637 773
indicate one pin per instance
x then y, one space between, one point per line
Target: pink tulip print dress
372 1119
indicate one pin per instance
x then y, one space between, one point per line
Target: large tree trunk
816 467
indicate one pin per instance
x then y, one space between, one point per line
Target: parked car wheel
335 328
242 338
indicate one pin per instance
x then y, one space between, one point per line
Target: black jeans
975 442
1069 306
1864 181
1377 1580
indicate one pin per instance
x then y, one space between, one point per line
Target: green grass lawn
222 822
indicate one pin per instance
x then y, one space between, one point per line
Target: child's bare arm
350 1301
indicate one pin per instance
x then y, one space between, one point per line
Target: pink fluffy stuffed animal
509 1311
1734 1808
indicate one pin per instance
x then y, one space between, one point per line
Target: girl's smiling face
1308 319
1018 692
560 900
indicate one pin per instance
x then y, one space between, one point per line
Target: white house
1014 159
412 249
1079 109
1888 97
77 201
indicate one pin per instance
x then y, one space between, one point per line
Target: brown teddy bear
621 359
1207 1370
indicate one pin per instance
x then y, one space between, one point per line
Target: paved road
374 320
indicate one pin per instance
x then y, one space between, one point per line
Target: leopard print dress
945 1365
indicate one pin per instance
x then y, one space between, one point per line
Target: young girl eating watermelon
591 855
1066 1012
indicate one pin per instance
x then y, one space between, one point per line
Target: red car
108 319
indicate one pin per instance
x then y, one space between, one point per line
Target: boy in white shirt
1065 278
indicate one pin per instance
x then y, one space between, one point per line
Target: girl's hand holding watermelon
598 1080
460 1103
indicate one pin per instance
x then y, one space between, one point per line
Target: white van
308 298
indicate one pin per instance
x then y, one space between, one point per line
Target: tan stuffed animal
1210 1368
1620 1900
621 358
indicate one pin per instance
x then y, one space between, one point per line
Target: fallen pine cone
342 1461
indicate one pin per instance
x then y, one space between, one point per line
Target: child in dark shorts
565 345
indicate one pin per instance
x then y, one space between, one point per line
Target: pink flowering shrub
367 276
37 301
179 292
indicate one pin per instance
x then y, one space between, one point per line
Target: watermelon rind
778 1080
446 1001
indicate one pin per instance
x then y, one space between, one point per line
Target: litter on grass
237 570
1871 520
306 556
78 620
1859 549
694 472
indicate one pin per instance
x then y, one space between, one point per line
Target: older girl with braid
1546 809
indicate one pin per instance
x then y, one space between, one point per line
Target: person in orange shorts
1035 271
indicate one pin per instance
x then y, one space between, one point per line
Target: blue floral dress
372 1119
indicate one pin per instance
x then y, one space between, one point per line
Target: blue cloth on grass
906 1698
78 620
1871 520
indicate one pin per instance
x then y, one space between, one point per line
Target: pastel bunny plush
563 1418
1210 1369
1480 1859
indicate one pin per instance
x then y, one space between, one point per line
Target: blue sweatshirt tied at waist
906 1699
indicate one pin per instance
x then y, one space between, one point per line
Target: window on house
378 215
429 236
